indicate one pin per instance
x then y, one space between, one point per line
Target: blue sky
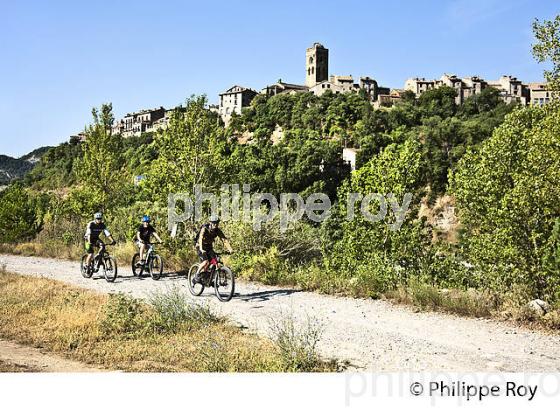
61 58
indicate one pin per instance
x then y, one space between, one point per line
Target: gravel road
32 359
370 334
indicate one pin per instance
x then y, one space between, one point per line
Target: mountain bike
102 260
153 263
218 276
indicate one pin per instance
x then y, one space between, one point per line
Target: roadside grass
461 302
121 333
297 343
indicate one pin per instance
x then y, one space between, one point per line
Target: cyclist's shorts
206 256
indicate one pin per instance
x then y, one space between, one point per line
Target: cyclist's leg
142 252
89 251
204 261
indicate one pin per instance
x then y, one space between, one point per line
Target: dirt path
371 334
18 358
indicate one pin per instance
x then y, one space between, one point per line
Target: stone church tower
316 64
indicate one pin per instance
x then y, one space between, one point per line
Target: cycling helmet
98 215
214 219
145 218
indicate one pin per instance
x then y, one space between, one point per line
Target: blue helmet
145 218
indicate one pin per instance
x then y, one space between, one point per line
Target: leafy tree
100 170
547 48
18 218
507 194
188 151
373 251
438 101
487 100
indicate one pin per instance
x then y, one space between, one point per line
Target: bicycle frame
149 252
98 258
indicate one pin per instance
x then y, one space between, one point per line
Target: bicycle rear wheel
156 267
224 284
196 289
110 269
86 273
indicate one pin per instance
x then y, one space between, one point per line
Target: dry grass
464 303
117 332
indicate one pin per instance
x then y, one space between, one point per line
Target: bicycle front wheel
87 272
224 284
156 267
136 268
110 270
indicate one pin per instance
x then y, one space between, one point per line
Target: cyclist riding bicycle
205 244
144 235
93 231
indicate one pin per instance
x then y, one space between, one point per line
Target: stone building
316 64
234 100
338 84
419 85
281 87
324 86
511 89
349 156
539 94
387 97
370 87
472 86
138 122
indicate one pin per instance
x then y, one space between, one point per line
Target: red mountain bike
218 276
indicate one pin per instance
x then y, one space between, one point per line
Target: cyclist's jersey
94 231
208 236
146 232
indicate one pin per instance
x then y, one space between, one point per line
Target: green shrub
172 312
122 316
297 343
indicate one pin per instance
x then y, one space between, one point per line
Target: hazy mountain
14 168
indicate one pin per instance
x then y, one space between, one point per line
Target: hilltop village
318 81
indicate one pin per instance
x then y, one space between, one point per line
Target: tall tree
100 172
186 151
547 48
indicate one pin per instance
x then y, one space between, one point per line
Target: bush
172 312
18 216
122 316
297 343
